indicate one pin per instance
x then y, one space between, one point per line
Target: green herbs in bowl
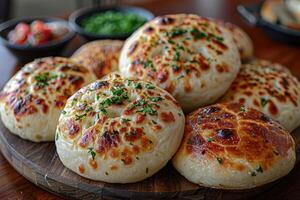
112 23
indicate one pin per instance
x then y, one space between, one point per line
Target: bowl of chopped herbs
118 22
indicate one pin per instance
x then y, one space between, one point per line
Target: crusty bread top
122 121
270 88
235 136
184 54
101 56
43 84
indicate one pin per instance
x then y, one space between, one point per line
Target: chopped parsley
220 160
92 152
177 56
178 31
210 139
263 102
243 108
175 67
79 117
56 136
42 80
63 112
253 174
149 86
259 169
171 41
198 34
155 99
149 63
124 120
218 38
147 109
138 86
180 77
129 82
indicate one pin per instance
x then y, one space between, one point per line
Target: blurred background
22 8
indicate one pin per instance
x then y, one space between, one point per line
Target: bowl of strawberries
30 38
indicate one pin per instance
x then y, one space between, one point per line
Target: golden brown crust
41 84
226 133
102 57
185 54
269 88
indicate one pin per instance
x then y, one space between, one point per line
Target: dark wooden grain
14 186
39 163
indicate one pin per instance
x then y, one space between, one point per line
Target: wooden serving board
39 163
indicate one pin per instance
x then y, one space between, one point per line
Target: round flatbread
119 130
242 40
269 88
101 56
230 146
31 101
187 55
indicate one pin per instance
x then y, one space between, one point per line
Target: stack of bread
181 94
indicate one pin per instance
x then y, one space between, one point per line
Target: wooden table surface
14 186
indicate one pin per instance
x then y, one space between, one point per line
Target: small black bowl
76 18
27 53
251 14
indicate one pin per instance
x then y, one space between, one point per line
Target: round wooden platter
39 163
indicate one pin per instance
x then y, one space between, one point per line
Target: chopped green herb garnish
210 139
253 174
147 109
149 63
259 169
106 173
92 152
220 160
175 67
177 56
218 38
43 79
79 117
198 34
97 97
263 102
180 77
124 120
137 158
154 122
243 108
178 31
149 86
155 99
56 136
63 112
129 82
138 86
171 41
